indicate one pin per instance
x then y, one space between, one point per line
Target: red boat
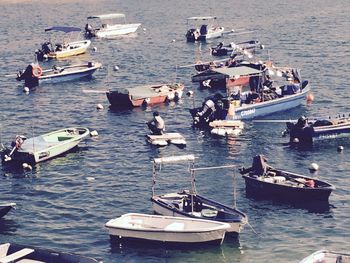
145 95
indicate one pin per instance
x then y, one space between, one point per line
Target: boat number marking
247 112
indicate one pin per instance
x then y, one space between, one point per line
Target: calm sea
59 208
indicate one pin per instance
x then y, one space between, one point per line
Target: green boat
43 147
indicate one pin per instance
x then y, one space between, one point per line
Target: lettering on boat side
44 154
247 112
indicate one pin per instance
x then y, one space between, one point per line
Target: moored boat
44 147
10 252
145 95
326 256
166 229
5 208
34 75
63 49
110 30
203 29
224 50
263 181
188 203
306 131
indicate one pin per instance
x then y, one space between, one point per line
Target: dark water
59 208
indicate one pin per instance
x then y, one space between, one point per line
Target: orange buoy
310 98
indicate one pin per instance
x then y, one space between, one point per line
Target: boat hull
117 30
165 229
250 111
236 223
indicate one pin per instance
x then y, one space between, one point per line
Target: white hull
166 229
117 30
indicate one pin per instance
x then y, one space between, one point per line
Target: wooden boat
145 95
264 181
224 50
307 131
167 138
10 252
64 49
110 30
188 203
5 208
326 256
167 229
44 147
205 30
33 75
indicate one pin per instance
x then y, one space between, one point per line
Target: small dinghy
226 127
167 138
167 229
263 181
5 208
145 95
326 256
10 252
44 147
34 75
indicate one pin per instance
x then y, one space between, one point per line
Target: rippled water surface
59 208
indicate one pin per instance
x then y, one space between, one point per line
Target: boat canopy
237 71
107 16
202 18
65 29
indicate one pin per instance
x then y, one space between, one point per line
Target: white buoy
313 167
99 106
46 56
93 133
26 89
116 68
172 41
189 93
144 29
89 178
340 148
94 49
171 96
27 166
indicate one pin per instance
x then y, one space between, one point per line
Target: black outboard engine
30 80
300 131
89 31
41 54
190 35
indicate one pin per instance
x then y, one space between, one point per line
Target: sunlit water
59 208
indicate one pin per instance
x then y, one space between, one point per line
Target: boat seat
17 255
175 226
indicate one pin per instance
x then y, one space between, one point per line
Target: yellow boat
65 49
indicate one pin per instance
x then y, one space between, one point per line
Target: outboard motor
41 54
89 31
30 80
191 35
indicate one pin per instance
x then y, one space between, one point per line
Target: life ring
37 71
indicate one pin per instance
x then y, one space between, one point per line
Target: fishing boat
43 147
224 50
34 75
203 28
145 95
306 131
64 49
263 181
167 229
326 256
10 252
110 30
5 208
188 203
167 138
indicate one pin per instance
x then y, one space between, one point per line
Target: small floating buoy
89 178
147 100
172 41
313 167
27 166
116 68
93 133
144 29
94 49
340 148
295 140
189 93
26 89
99 106
171 96
46 56
310 98
262 46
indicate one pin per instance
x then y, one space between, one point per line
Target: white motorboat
203 28
108 30
326 256
167 229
